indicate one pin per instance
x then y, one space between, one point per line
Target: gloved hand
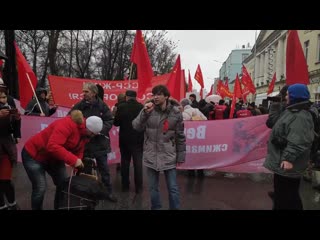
79 164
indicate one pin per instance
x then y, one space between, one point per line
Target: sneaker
14 207
229 175
5 207
111 197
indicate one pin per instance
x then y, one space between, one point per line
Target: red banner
68 91
235 145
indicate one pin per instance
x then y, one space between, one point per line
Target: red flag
218 88
25 90
296 64
236 94
227 84
245 93
198 76
183 86
140 57
174 82
247 81
189 83
211 91
271 85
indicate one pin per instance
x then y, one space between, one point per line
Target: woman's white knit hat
94 124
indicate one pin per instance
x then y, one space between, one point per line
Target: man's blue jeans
172 186
36 173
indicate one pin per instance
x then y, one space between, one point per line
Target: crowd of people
151 134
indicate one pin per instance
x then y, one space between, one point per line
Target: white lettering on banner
119 85
198 133
111 96
106 85
77 96
134 85
62 113
207 148
111 155
43 126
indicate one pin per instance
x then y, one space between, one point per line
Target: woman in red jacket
62 142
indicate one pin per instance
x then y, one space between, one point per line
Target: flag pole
254 64
34 93
130 74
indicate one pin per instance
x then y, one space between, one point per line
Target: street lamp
217 61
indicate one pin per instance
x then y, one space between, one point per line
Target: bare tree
52 49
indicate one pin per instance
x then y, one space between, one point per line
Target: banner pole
130 74
34 93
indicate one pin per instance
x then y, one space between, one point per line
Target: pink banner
61 112
235 145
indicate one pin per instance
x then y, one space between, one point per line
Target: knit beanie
298 93
94 124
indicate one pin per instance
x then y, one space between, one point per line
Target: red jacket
243 113
219 111
63 140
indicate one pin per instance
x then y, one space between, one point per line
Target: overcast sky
204 46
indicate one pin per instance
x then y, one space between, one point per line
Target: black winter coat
125 114
99 143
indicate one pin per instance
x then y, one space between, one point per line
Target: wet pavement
214 192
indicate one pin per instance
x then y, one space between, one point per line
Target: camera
11 110
275 99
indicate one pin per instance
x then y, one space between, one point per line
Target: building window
306 49
318 50
244 56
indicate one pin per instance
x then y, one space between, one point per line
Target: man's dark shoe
118 168
111 197
271 194
191 173
139 190
125 188
200 173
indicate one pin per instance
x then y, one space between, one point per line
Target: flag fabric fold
140 57
174 83
296 64
247 81
25 90
189 83
237 93
198 76
211 90
271 85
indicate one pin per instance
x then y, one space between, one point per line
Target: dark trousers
134 152
103 168
6 190
286 193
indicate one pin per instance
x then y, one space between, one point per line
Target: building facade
233 64
269 56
